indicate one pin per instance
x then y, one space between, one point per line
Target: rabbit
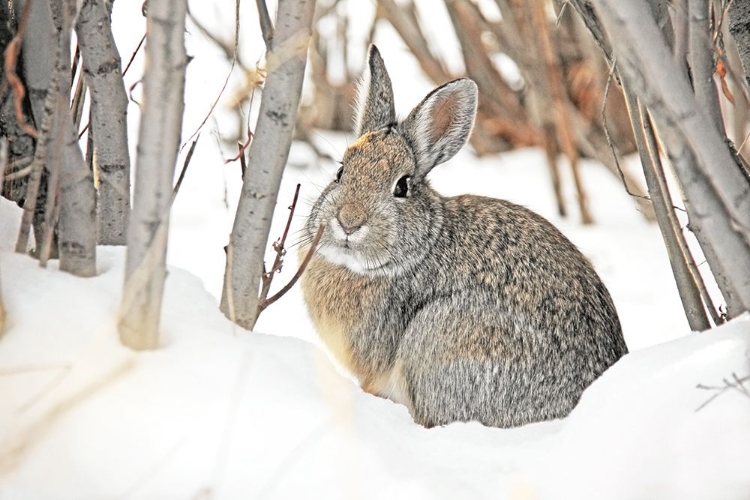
463 309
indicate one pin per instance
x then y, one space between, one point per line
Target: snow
218 412
221 413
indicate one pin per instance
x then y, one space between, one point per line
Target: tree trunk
716 189
267 157
51 20
159 139
77 224
109 103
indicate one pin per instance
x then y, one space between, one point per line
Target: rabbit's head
379 212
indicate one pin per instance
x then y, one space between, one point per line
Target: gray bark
108 125
668 224
702 63
158 143
266 160
718 194
77 224
50 24
39 58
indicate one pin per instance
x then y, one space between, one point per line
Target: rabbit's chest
343 306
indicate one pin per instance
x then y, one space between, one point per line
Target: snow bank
220 413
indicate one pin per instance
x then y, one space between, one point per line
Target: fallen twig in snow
32 429
735 383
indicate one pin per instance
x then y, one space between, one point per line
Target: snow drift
222 413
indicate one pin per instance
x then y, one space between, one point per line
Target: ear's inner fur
443 112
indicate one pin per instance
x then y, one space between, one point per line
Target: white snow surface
221 413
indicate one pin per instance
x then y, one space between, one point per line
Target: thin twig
297 275
37 165
233 62
124 72
76 105
559 98
242 147
674 240
11 58
605 127
185 164
132 57
280 250
243 161
687 255
266 26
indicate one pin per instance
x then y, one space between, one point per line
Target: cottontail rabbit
463 308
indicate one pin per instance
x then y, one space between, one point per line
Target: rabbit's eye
402 187
339 173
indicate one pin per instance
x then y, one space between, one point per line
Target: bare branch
231 54
413 37
280 250
11 58
297 275
670 228
37 167
266 26
559 99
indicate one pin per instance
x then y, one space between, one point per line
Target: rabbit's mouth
352 250
345 254
355 248
356 261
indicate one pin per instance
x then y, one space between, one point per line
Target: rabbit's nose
350 228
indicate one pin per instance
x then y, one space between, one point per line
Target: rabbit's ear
374 108
439 126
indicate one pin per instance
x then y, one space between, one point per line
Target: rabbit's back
514 322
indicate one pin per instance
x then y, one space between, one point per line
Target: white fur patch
346 257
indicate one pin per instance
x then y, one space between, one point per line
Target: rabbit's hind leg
455 367
391 385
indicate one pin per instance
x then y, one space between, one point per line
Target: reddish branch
267 302
11 59
263 300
